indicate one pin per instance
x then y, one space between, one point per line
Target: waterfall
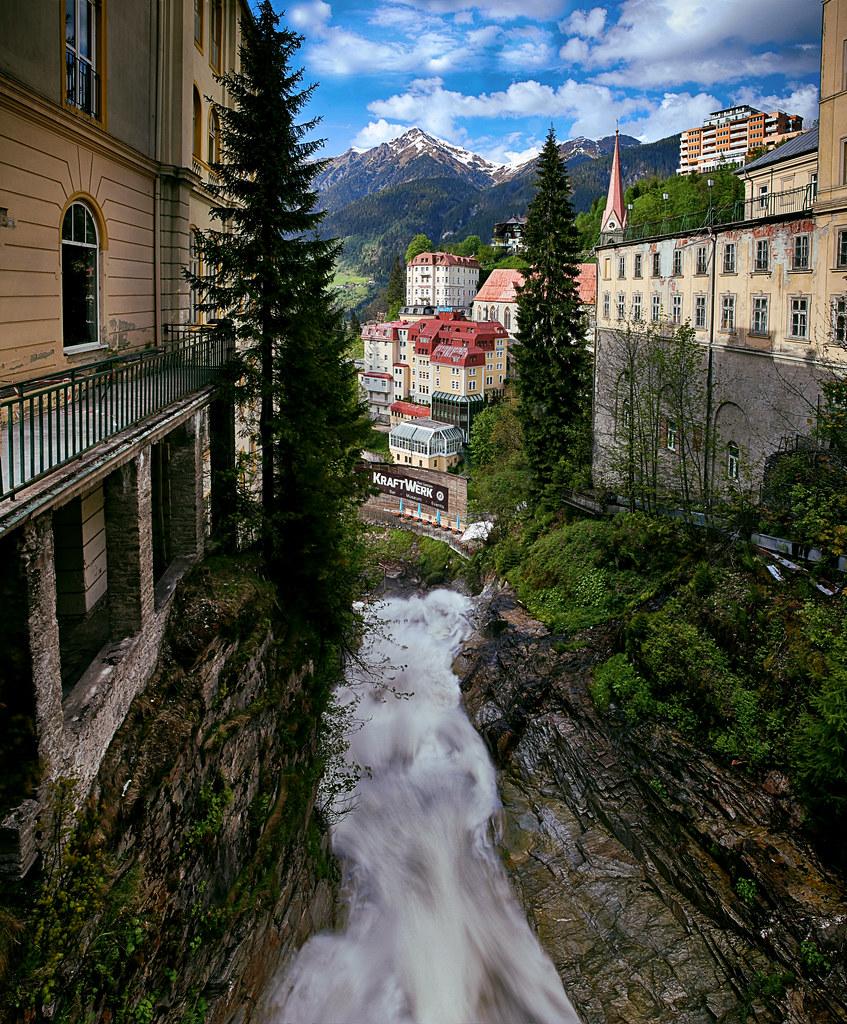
433 932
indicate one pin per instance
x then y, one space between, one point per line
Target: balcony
774 204
82 85
47 422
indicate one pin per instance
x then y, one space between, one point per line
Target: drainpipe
156 11
707 433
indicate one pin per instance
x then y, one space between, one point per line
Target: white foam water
433 932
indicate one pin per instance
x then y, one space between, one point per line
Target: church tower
614 216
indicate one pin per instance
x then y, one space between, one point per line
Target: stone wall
200 827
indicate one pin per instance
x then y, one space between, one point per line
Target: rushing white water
433 935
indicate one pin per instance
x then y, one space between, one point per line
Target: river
433 932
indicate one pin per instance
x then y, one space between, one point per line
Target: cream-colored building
426 444
386 377
764 287
442 280
107 137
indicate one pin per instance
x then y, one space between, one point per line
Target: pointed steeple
614 216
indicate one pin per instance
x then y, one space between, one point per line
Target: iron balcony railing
773 204
82 85
47 422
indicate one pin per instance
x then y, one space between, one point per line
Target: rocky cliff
198 866
665 887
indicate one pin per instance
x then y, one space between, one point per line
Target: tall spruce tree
269 282
395 294
552 361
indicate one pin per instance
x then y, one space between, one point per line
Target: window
760 315
621 306
636 307
471 385
800 318
800 254
198 23
844 161
655 308
80 278
507 319
195 126
677 262
671 440
762 260
637 269
700 311
657 265
489 380
607 305
472 371
676 309
813 187
492 313
841 252
214 137
839 320
702 259
196 268
607 269
732 454
728 313
729 258
82 39
763 197
621 267
216 34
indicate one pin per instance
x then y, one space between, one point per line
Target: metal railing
773 204
82 85
47 422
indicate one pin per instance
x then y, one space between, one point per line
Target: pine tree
270 280
552 360
395 294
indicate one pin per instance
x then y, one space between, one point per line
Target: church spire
614 216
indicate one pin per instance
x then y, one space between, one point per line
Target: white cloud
377 132
575 51
674 112
504 151
312 17
592 108
499 10
341 52
802 100
659 43
484 36
586 23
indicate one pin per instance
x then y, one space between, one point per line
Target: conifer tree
552 360
269 281
395 295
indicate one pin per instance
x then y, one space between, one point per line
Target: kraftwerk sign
412 488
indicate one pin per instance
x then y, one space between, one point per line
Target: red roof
409 409
586 283
458 355
500 286
443 259
375 373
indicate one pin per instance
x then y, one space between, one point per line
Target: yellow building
107 138
762 284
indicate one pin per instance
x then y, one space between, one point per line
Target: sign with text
411 488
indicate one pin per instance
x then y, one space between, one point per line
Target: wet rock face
665 887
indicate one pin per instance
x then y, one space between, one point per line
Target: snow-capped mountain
416 155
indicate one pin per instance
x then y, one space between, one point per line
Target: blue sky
492 75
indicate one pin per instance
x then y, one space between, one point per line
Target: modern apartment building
728 137
442 280
763 286
110 422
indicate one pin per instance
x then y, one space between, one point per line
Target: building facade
728 137
764 293
111 427
442 280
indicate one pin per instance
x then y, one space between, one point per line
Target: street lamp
710 184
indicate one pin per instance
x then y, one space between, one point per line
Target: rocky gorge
665 887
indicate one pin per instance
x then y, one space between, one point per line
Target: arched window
492 313
507 319
215 35
196 126
732 460
195 262
214 137
80 278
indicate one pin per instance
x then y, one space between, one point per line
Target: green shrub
747 891
617 681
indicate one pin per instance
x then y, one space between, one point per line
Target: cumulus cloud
377 132
592 108
672 113
657 43
575 51
499 10
311 17
802 100
585 23
341 52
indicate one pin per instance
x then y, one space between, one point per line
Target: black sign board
392 481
